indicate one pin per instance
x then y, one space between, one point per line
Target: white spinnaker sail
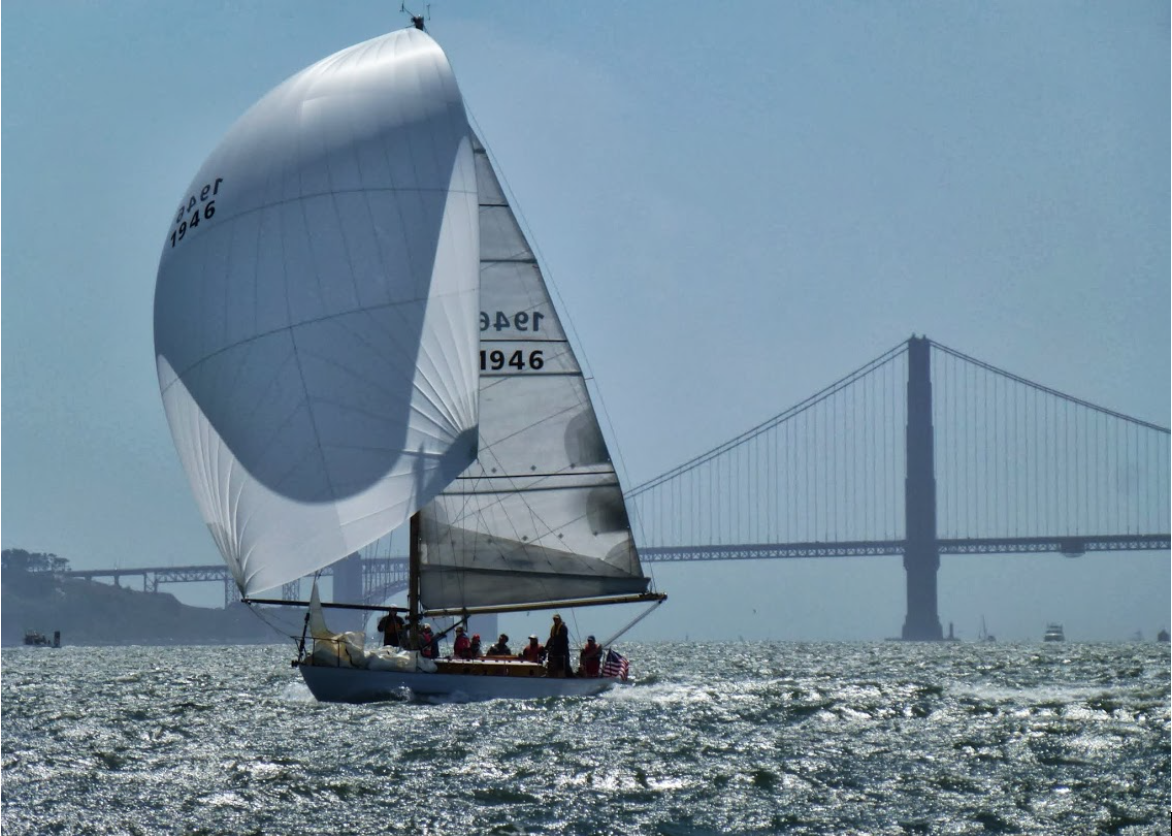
316 307
540 515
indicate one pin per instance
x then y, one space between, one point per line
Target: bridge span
922 452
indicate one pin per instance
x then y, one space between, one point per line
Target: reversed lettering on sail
540 515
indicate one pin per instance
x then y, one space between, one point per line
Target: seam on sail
388 371
451 371
290 327
502 504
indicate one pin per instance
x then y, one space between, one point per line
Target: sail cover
316 310
539 516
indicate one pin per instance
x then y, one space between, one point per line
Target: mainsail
316 311
539 516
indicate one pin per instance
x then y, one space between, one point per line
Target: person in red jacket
532 652
428 643
590 658
462 648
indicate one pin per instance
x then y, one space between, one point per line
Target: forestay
540 515
316 311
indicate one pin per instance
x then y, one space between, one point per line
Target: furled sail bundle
539 516
316 311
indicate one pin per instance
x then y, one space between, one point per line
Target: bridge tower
921 556
348 588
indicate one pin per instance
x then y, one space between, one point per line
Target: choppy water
716 738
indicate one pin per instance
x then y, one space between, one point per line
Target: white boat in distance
1054 633
352 332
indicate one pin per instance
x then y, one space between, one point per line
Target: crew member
590 658
532 652
393 629
462 646
558 648
429 646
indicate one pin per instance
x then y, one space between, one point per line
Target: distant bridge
372 579
923 451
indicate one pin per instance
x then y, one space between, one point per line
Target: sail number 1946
496 360
194 211
520 321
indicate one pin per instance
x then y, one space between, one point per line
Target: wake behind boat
353 333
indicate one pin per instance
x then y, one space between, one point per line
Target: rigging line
633 622
1080 432
832 479
890 477
1070 469
940 395
999 453
1034 460
893 439
854 450
869 460
1136 504
272 625
1052 392
881 438
1013 462
772 531
785 415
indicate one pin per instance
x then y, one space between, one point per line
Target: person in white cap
532 652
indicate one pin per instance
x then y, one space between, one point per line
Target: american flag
616 665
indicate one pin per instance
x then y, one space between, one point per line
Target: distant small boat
1162 636
1054 633
34 639
986 636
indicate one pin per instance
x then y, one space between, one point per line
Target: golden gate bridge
921 452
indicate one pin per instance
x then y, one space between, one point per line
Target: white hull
356 685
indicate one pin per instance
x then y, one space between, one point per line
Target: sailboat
353 334
986 636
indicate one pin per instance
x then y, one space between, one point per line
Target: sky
737 203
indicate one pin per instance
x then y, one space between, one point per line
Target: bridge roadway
383 576
1072 546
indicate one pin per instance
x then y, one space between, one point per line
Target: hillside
90 613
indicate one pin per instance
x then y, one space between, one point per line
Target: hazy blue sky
739 203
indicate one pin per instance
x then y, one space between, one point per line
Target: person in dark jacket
558 648
393 628
501 648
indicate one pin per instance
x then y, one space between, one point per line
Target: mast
413 564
